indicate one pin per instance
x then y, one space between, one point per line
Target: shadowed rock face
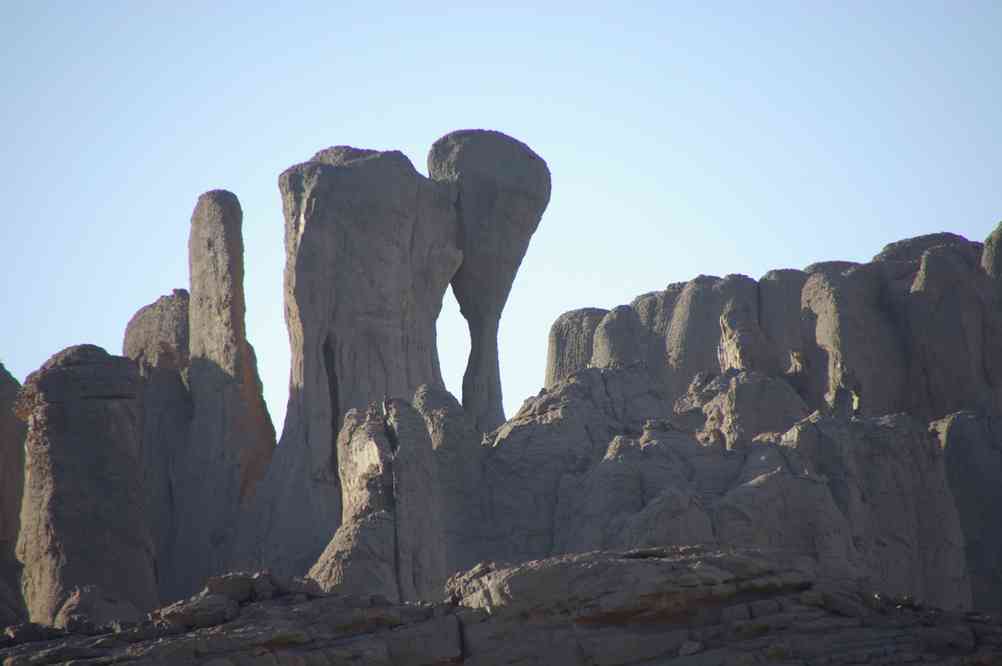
157 339
12 433
370 248
83 515
502 189
231 435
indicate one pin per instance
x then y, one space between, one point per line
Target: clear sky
727 138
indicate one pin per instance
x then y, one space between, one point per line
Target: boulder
570 344
12 433
157 335
88 607
371 245
231 435
501 191
83 513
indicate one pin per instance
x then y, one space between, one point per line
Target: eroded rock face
12 432
391 540
370 248
502 188
83 515
973 453
570 343
620 339
231 435
157 339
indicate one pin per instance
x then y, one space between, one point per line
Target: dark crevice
332 392
391 501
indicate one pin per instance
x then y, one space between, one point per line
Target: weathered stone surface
157 339
12 432
688 605
888 478
569 347
852 341
991 254
391 540
620 340
89 606
83 514
502 188
157 335
564 430
740 406
971 446
231 435
370 248
779 317
459 460
912 249
695 334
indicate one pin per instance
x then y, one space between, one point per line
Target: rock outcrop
12 433
157 339
501 189
371 245
683 606
83 518
391 540
231 435
972 447
570 344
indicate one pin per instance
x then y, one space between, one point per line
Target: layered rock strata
683 606
83 516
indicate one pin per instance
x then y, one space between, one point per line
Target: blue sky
727 138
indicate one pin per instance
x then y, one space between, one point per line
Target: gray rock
12 432
459 460
231 435
83 514
912 249
502 189
694 339
89 605
973 456
991 254
157 339
391 540
569 347
620 340
370 248
779 317
656 311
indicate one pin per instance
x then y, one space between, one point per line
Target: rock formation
570 343
231 435
390 541
370 248
502 189
11 486
83 518
686 606
157 339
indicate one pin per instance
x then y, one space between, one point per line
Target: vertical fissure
332 393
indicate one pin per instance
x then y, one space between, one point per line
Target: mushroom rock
83 514
157 339
570 343
11 486
502 189
371 245
231 435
